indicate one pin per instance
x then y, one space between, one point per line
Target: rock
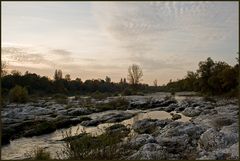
62 112
149 125
116 117
170 108
211 140
179 109
79 111
65 122
142 139
150 151
219 121
168 102
176 116
138 104
175 129
91 123
230 153
191 111
176 144
39 129
118 129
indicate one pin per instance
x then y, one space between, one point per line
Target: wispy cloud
102 38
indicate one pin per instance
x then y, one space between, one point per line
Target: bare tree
155 83
134 74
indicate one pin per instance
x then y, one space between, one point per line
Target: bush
98 95
60 98
127 92
119 103
101 147
38 154
58 95
18 94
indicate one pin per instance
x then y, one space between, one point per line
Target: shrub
18 94
58 95
127 92
61 101
119 103
98 95
101 147
60 98
38 154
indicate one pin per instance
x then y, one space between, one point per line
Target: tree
155 83
18 94
108 79
124 81
57 75
67 77
205 70
134 74
16 72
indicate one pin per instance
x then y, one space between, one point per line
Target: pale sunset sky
98 39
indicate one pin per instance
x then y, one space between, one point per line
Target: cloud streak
104 38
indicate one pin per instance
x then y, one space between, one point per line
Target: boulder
91 123
211 140
142 139
191 111
176 144
79 111
116 117
118 129
149 125
150 151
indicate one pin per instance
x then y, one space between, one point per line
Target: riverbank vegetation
211 78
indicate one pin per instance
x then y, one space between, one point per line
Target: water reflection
17 147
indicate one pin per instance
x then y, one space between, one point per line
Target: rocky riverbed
164 127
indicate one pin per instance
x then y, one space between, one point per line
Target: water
18 148
51 142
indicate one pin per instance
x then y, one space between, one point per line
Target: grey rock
79 111
211 140
150 151
191 111
91 123
149 125
142 139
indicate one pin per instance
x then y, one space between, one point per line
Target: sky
98 39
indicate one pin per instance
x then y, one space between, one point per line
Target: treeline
211 78
41 85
